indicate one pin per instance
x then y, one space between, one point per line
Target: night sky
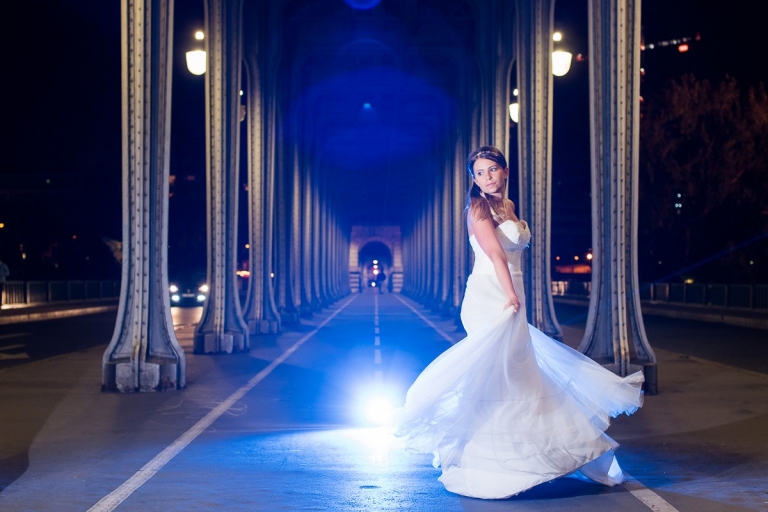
64 110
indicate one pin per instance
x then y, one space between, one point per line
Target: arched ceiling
373 98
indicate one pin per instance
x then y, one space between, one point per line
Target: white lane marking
376 356
649 498
376 330
376 341
428 322
113 499
14 335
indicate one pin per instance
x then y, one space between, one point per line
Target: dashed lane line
113 499
638 490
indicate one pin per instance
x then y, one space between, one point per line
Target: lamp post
561 64
196 59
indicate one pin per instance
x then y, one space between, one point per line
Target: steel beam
533 31
144 354
615 334
222 328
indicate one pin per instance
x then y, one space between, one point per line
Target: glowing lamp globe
561 62
196 62
514 112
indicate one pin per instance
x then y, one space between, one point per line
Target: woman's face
489 176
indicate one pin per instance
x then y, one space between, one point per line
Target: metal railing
17 293
741 296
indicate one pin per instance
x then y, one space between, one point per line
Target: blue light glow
362 4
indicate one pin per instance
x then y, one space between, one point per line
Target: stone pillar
144 354
533 29
615 334
222 328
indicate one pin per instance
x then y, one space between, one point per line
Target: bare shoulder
509 205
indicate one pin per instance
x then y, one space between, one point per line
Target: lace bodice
514 236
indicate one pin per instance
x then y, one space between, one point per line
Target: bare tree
704 181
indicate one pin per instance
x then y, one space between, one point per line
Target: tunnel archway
380 243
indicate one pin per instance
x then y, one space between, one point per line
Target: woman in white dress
507 407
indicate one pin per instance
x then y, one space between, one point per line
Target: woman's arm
485 235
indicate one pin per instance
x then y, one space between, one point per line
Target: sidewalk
53 311
751 318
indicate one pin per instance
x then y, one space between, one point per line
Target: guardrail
740 296
16 293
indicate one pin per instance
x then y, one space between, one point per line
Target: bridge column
533 29
317 302
260 310
615 334
295 270
222 328
447 213
144 354
494 55
284 265
460 267
306 242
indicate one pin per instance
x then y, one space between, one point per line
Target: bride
507 407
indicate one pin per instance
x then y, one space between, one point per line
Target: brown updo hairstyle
478 204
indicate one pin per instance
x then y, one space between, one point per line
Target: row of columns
615 335
305 266
298 258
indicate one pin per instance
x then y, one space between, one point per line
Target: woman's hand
513 303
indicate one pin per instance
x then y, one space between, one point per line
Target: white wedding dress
507 407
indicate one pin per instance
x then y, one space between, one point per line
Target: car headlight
173 288
175 298
200 298
203 289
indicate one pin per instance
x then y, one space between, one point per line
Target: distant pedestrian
4 273
380 278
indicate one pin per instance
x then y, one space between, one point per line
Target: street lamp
561 64
196 59
514 108
561 60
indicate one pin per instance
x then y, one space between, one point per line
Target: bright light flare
173 288
378 410
203 288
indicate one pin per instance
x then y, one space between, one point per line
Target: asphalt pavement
282 427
